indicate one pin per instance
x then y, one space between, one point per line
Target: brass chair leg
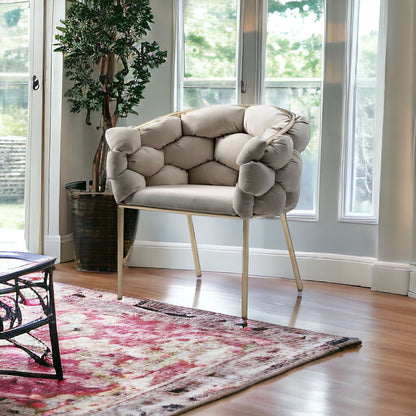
194 246
292 255
120 251
244 277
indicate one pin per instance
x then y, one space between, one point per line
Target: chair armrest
269 177
123 142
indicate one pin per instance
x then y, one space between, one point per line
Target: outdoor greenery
13 121
303 7
293 55
115 68
293 51
14 70
12 216
294 39
360 160
210 38
293 74
107 62
14 38
14 58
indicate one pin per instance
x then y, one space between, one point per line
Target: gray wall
390 240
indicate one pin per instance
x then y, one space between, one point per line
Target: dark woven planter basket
94 228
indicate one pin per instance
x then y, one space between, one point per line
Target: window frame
179 54
311 215
349 116
256 13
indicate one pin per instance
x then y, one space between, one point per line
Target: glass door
21 115
14 100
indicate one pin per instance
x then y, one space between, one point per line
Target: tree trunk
108 120
99 176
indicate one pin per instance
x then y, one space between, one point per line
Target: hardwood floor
376 379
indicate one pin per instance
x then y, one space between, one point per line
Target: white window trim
34 203
178 58
252 17
179 53
371 218
257 10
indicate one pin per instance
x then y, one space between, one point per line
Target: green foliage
12 17
105 57
211 41
286 59
15 60
13 121
210 38
294 39
12 216
14 37
304 7
367 64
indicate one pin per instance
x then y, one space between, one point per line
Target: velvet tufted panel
251 168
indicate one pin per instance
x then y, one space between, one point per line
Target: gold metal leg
194 246
120 243
292 255
244 277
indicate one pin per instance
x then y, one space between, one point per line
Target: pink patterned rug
147 358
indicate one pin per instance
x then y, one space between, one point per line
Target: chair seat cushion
208 199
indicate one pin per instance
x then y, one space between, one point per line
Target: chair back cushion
220 145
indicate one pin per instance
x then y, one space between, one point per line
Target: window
209 57
363 114
293 77
220 39
14 102
209 65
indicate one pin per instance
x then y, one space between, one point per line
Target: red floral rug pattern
147 358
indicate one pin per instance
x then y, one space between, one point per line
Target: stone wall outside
12 169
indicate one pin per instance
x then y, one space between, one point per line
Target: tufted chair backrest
202 146
254 148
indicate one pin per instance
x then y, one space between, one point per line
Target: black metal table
26 282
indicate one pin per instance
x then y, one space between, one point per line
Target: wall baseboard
61 247
412 282
391 277
324 267
397 278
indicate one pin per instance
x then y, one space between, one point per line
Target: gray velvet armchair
224 160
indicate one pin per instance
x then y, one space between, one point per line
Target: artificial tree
108 62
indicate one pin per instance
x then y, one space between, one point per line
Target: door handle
35 83
243 87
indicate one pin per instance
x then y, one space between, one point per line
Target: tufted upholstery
251 168
219 160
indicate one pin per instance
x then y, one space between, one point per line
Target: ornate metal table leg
53 333
27 302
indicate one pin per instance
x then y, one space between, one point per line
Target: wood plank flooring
376 379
